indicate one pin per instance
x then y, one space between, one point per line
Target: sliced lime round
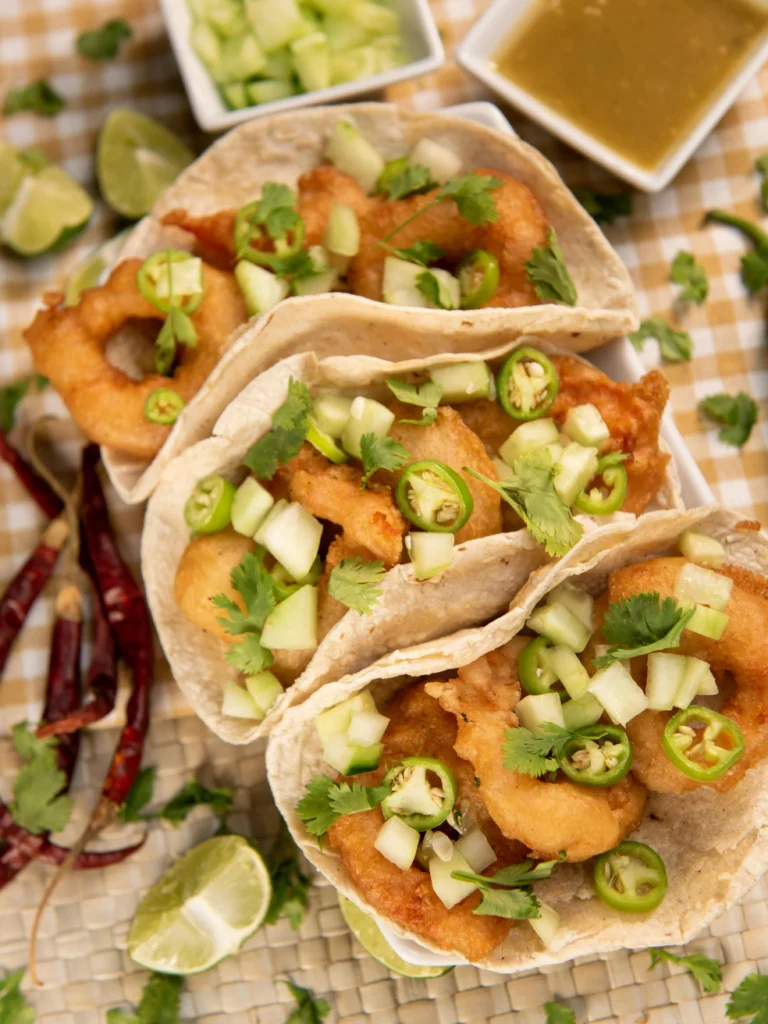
371 938
87 272
202 909
48 209
137 160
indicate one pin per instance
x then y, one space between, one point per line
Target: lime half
202 909
137 160
371 938
47 210
88 271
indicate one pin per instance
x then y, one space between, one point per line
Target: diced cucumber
235 95
431 553
331 413
585 425
696 585
186 279
264 688
390 53
354 155
697 674
707 622
366 416
546 924
241 58
503 471
339 717
441 162
250 507
349 759
374 17
333 6
568 669
342 231
701 549
270 90
207 46
575 600
366 727
449 891
311 61
434 844
528 437
292 626
665 677
238 703
227 18
398 842
275 24
476 850
618 692
198 8
536 709
352 65
560 625
343 34
586 710
573 471
260 287
317 284
448 288
279 65
324 443
464 382
708 684
398 284
293 539
273 513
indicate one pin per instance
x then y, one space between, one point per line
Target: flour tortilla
283 147
399 619
714 845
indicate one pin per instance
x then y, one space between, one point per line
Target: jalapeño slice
163 406
594 502
415 797
208 509
600 755
157 272
247 234
690 741
631 877
434 497
536 676
478 275
527 384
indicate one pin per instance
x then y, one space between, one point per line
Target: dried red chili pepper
49 502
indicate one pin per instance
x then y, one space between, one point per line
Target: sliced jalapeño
527 384
434 497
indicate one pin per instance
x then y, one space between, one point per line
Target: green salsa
634 74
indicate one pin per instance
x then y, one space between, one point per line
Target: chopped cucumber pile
259 51
351 735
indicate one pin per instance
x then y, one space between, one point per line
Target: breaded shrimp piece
320 189
547 817
214 234
203 571
449 440
369 518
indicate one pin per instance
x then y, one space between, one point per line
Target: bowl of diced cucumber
246 58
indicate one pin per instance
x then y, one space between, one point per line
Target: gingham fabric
81 953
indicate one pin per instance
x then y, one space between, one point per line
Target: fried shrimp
449 440
547 817
369 518
521 225
419 726
68 345
739 661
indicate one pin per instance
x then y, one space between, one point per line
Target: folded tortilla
714 845
400 619
281 148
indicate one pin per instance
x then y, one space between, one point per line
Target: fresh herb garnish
604 207
531 493
528 753
754 265
559 1014
325 801
275 211
289 429
675 346
642 624
40 804
409 181
308 1010
426 395
761 166
192 794
750 998
139 795
257 589
737 412
160 1003
547 272
290 886
422 252
705 970
178 329
380 453
516 900
356 583
685 271
39 97
429 286
12 394
14 1008
104 43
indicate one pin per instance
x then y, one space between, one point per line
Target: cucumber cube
697 674
293 539
619 694
238 703
352 65
270 91
536 709
528 437
366 416
398 842
568 669
476 850
260 287
292 626
701 549
586 710
665 677
207 46
375 18
575 600
573 471
342 232
264 688
366 728
448 890
707 622
311 61
585 425
349 759
441 162
431 553
331 413
235 95
351 153
343 34
275 24
273 513
250 507
339 717
560 625
546 924
317 284
696 585
464 382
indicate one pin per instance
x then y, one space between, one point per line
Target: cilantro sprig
192 794
557 1013
408 181
507 893
427 396
257 589
604 207
380 453
750 1000
289 429
14 1008
308 1010
705 970
290 886
274 211
422 252
685 271
549 275
178 328
38 97
754 265
675 346
355 583
40 804
325 801
529 753
104 43
429 286
531 492
160 1003
642 624
761 166
738 413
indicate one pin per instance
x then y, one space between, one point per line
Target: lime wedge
48 209
87 272
137 160
202 909
11 172
371 938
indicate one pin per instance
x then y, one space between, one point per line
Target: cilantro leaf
754 271
290 886
160 1003
289 428
139 795
705 970
355 583
471 194
275 210
761 166
12 394
521 874
257 589
39 97
517 902
675 346
193 794
685 271
738 413
531 754
325 801
308 1010
754 266
751 997
559 1014
14 1008
249 656
642 624
550 277
40 804
426 395
514 904
604 207
351 799
531 493
295 266
105 42
429 286
423 252
412 179
380 453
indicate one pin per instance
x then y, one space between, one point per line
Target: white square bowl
420 37
476 54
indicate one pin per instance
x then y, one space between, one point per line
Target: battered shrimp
68 345
521 225
449 440
418 726
547 817
369 518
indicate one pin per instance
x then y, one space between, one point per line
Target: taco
619 803
322 474
289 206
